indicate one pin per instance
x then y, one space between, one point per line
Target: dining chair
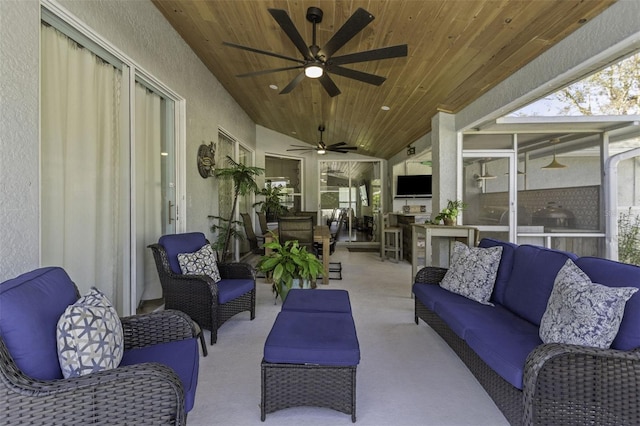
298 228
254 241
262 221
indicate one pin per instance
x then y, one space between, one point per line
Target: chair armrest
430 275
236 270
570 384
157 327
135 394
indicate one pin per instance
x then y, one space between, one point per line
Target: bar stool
392 241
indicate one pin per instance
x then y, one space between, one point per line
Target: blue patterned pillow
580 312
89 336
473 272
202 262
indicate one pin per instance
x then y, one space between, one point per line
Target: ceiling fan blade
328 85
337 144
292 85
376 80
300 149
371 55
262 52
344 148
356 22
255 73
287 25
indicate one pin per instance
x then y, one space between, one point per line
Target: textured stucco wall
19 127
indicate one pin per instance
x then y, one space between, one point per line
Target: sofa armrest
157 327
430 275
135 394
236 270
570 384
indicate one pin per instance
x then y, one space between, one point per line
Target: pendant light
554 164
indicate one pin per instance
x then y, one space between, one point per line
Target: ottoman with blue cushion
310 359
317 301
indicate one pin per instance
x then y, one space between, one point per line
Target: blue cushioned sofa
532 382
155 382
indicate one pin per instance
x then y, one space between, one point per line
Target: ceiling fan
319 62
322 148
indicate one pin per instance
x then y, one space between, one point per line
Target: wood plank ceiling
458 50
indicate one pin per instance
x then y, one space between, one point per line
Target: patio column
445 174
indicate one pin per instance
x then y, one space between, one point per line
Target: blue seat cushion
616 274
504 346
182 356
30 306
429 294
317 301
462 315
317 338
232 288
175 244
531 281
504 270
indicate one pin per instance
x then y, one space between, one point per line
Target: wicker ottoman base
296 385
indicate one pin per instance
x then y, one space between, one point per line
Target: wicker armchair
144 393
208 303
562 384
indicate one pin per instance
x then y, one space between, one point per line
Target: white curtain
81 174
148 126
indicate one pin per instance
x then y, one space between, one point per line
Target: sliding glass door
350 200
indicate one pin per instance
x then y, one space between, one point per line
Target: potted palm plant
289 265
271 206
449 214
243 178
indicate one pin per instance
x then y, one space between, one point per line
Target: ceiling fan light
322 151
313 71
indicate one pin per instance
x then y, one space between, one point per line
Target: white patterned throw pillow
472 272
202 262
89 335
581 312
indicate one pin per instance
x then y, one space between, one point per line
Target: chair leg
203 343
214 335
200 336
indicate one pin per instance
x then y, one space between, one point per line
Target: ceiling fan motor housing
314 15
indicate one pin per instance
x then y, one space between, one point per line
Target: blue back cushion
534 272
30 306
175 244
504 270
616 274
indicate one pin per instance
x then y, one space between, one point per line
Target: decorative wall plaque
206 160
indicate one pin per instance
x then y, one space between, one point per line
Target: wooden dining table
321 234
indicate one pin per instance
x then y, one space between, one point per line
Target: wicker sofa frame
197 295
141 394
562 384
296 385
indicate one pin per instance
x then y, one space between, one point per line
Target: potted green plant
271 206
243 178
449 214
289 265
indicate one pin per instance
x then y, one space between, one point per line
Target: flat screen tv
414 186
